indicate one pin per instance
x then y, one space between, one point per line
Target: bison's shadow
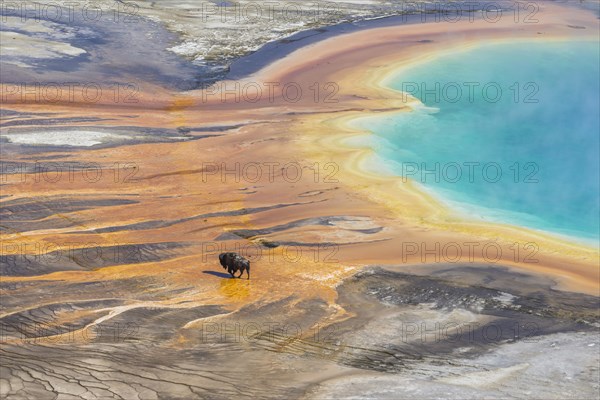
219 274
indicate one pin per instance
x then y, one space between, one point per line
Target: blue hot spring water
507 132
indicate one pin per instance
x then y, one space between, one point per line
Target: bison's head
223 257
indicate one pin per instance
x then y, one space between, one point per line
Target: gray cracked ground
526 340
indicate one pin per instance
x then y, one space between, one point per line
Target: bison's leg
241 273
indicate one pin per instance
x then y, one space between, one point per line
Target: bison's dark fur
233 263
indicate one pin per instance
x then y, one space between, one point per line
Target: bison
233 263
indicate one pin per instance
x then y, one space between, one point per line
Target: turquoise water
536 142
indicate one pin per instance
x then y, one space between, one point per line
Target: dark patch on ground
52 121
32 209
50 169
381 293
157 324
88 257
319 221
157 224
44 321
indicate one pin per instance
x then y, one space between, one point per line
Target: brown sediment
279 131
